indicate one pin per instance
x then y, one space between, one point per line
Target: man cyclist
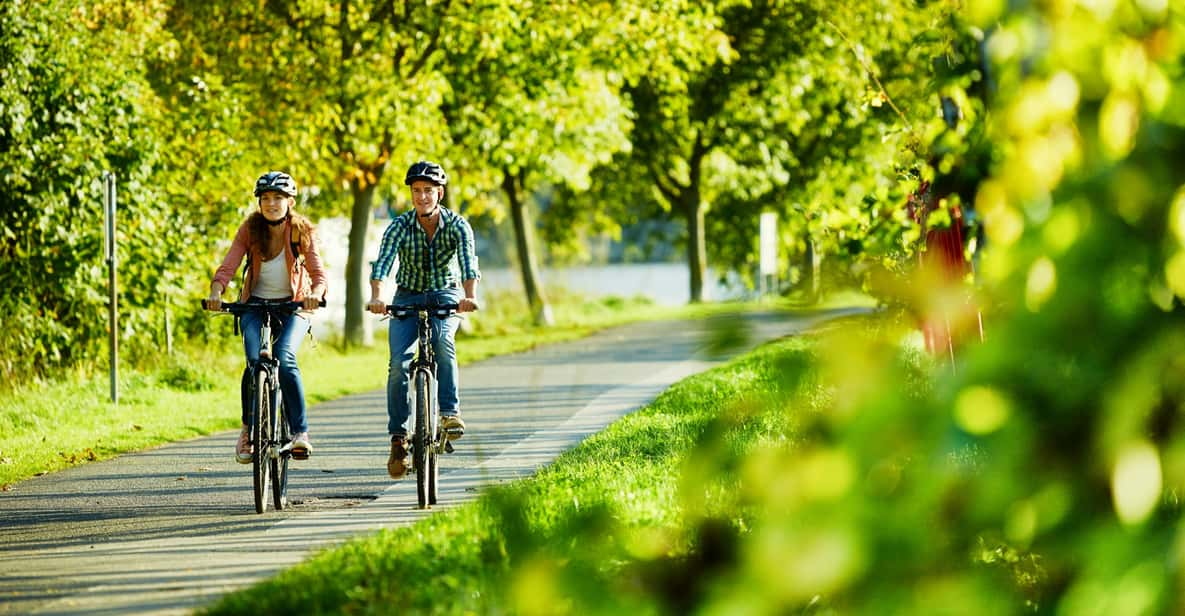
428 241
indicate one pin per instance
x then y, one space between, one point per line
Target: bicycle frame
429 440
425 358
267 371
267 416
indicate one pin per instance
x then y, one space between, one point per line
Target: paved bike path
172 528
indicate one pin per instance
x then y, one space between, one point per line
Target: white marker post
768 269
112 312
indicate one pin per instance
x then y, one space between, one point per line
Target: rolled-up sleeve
388 250
234 257
467 252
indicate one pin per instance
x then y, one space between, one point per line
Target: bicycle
429 439
271 438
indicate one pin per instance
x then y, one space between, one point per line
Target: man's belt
411 291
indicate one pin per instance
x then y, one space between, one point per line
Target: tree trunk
697 253
693 208
810 277
354 331
524 243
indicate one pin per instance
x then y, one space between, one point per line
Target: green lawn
610 526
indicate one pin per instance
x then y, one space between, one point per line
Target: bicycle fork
269 363
272 383
426 360
438 436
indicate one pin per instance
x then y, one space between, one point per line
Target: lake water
665 283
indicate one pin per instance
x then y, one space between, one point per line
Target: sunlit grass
604 528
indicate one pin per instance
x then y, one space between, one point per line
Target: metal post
112 312
168 331
768 250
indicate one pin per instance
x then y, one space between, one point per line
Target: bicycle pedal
448 446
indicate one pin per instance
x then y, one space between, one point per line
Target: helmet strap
276 223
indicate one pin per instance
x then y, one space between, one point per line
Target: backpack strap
295 239
242 285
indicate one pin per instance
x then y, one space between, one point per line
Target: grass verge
625 521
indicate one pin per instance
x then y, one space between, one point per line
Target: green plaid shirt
424 265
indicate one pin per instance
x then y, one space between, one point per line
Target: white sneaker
454 426
301 447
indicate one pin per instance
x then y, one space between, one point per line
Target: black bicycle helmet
426 170
277 181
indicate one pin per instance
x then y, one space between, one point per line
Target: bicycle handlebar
440 311
249 306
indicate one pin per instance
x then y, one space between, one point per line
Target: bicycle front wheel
436 434
422 446
279 463
261 439
433 476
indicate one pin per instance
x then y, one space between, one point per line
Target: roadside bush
75 103
69 110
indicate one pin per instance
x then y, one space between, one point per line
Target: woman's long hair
257 225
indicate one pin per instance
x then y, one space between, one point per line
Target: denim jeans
292 329
402 338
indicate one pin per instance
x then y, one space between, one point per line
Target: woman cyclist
283 265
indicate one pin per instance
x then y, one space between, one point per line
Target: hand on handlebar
377 306
467 304
217 305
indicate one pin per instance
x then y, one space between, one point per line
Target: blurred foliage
1040 470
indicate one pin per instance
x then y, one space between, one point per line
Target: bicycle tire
422 447
261 438
279 464
437 437
433 477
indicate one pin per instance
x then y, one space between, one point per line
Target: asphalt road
172 528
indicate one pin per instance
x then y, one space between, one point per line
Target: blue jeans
292 329
402 338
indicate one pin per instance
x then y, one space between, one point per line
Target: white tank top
273 279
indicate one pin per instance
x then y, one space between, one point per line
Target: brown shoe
398 462
243 448
454 426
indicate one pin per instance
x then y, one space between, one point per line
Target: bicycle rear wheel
261 438
279 463
422 446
